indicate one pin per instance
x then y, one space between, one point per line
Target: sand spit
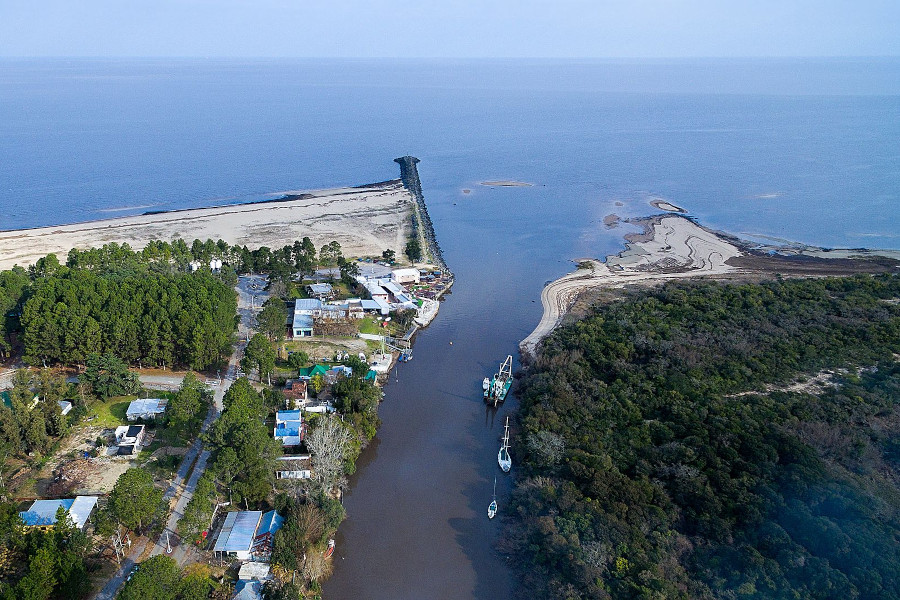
675 247
365 220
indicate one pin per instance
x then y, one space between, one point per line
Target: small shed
310 372
65 406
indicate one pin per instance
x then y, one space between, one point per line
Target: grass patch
110 413
370 326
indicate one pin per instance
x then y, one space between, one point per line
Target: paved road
196 456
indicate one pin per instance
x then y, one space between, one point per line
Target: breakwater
409 175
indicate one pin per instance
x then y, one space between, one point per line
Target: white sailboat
503 458
492 509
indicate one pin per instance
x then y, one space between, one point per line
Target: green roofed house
372 375
310 372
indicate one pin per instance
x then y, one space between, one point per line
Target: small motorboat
492 509
330 549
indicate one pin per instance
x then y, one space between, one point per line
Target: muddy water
417 523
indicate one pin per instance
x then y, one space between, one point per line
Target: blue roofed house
265 534
288 427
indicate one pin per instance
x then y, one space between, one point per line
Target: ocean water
802 150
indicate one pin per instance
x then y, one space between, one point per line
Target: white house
129 438
146 408
293 467
402 276
64 406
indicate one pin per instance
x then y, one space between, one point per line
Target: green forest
711 440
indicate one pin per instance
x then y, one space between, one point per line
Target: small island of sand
506 183
667 206
364 220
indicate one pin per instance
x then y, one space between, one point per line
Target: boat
503 457
496 388
492 509
330 549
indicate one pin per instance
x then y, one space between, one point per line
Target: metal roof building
146 408
43 512
238 533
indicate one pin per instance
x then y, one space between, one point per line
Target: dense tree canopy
666 451
38 565
135 501
149 317
244 449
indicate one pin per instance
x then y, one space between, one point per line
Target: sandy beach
675 247
364 220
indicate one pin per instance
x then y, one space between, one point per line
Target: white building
146 408
129 439
293 467
42 513
402 276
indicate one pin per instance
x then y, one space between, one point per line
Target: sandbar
675 247
667 206
507 183
364 220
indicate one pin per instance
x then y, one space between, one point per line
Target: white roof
254 570
146 406
238 531
43 512
307 304
405 273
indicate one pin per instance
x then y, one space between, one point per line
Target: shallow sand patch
506 183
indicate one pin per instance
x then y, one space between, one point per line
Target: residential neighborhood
209 467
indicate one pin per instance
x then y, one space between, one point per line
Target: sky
449 28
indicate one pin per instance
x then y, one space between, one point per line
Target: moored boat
492 508
503 457
330 549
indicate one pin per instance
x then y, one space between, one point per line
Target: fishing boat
492 509
503 457
330 549
496 388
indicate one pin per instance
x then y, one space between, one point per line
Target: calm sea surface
794 149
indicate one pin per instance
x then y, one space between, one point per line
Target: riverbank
364 220
675 247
